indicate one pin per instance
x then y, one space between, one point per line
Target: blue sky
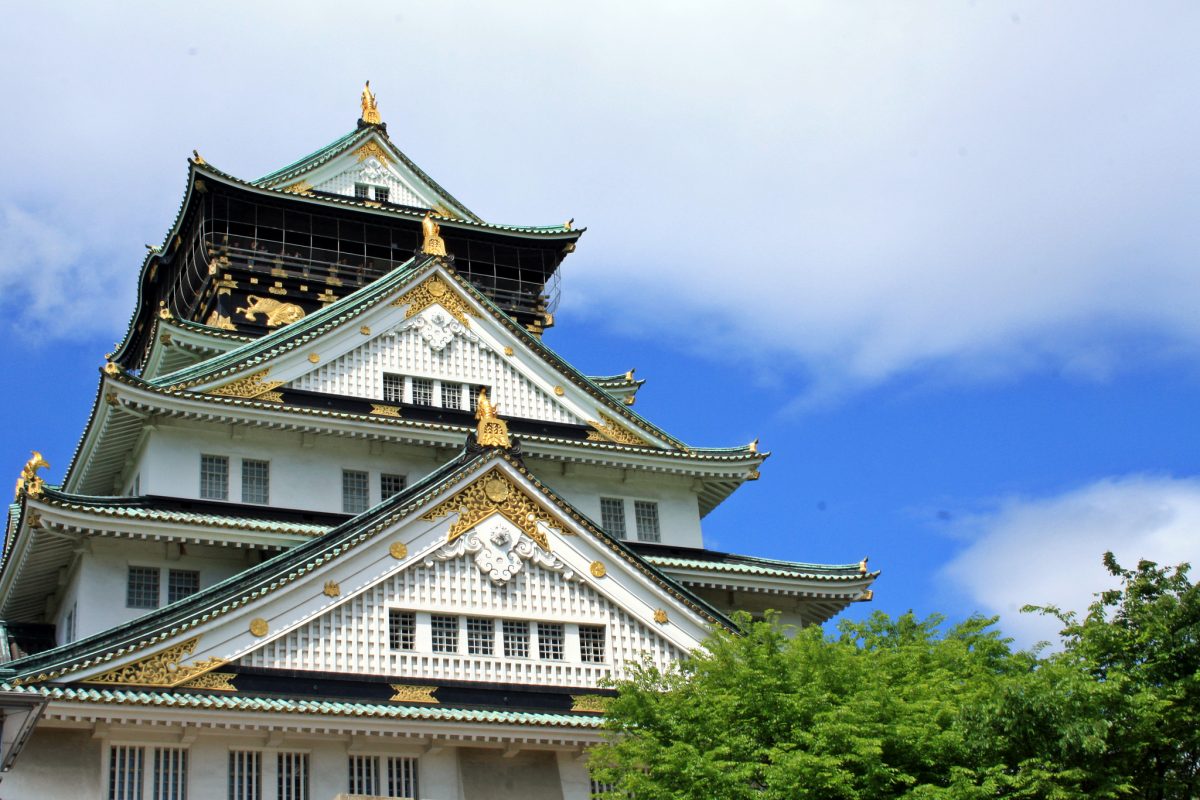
940 257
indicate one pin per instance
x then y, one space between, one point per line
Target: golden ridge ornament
29 482
370 109
433 245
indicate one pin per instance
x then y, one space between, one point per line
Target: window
402 629
391 485
360 191
214 477
182 583
364 775
292 771
125 772
355 491
481 636
451 395
591 644
444 631
550 640
256 481
141 588
645 514
516 638
612 516
245 775
393 388
381 194
402 777
170 773
422 391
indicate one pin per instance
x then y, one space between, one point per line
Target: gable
480 534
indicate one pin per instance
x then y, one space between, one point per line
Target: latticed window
214 477
481 636
245 775
551 640
591 644
364 775
444 633
256 481
645 514
612 516
381 194
360 191
182 583
391 485
393 388
356 496
141 588
402 777
451 395
170 773
125 768
402 629
516 638
292 772
422 391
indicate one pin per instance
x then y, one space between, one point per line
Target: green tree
905 708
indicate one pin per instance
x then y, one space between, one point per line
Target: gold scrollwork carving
493 493
299 187
373 150
590 703
407 693
435 290
212 681
164 668
607 430
251 386
381 410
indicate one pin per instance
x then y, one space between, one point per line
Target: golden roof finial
29 481
370 112
434 245
492 431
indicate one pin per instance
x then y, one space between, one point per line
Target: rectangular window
381 194
516 638
125 765
444 632
402 777
292 771
645 514
591 644
402 629
393 388
451 395
550 640
141 588
256 481
245 775
360 191
364 775
481 636
612 516
355 491
391 485
214 477
182 583
170 773
422 389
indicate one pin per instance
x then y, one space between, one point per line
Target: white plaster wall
56 764
104 572
306 471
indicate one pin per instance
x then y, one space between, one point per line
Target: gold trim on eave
164 668
251 387
608 430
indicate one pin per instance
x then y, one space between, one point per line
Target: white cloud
862 190
1047 551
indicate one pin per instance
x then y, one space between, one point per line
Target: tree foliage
908 708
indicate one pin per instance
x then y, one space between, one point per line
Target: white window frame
366 490
654 537
149 781
224 494
266 486
606 522
242 792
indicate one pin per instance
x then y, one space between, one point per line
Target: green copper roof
284 705
765 568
